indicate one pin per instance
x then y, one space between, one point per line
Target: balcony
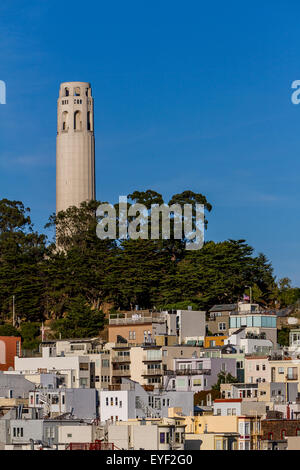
150 359
121 373
121 359
193 372
152 372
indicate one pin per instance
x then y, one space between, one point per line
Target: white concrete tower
75 145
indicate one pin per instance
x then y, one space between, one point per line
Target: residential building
257 369
148 434
81 403
169 353
146 365
260 324
213 341
218 318
197 374
285 370
130 400
138 327
10 346
74 369
14 386
250 343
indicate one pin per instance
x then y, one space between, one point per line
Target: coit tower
75 145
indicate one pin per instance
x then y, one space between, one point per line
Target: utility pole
14 313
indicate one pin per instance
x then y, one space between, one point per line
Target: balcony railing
136 321
120 372
120 359
151 359
152 372
193 372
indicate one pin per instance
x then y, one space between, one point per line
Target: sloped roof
223 308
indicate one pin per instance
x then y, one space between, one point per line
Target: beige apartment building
285 370
257 369
120 363
147 434
186 351
146 365
136 327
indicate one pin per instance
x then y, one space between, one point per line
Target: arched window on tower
77 121
65 121
67 91
89 121
77 91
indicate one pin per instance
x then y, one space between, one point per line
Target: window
116 401
77 91
218 411
283 434
77 121
105 362
162 437
229 411
257 366
106 401
54 399
292 373
197 382
177 437
65 121
18 432
218 444
222 326
280 370
83 383
120 404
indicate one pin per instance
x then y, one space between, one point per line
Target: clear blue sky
188 95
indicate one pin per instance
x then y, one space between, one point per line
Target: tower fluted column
75 145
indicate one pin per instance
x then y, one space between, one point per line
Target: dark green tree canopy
70 283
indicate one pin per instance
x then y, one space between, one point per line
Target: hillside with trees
72 285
